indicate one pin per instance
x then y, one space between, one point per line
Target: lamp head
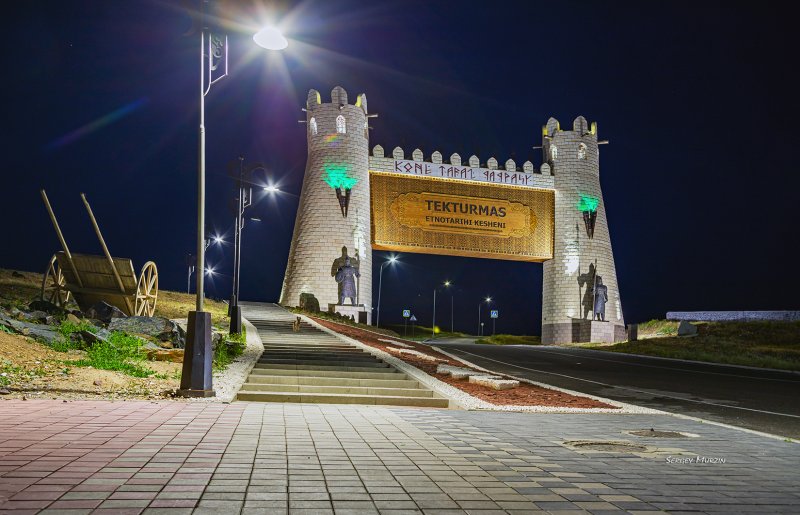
270 38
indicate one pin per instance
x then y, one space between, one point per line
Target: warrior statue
346 277
600 292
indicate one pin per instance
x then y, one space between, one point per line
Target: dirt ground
35 371
523 395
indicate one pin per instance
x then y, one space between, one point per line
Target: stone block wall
573 159
320 230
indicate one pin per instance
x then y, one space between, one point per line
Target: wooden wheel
54 284
147 290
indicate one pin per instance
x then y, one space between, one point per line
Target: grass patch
66 329
510 339
121 352
420 332
229 349
653 328
173 304
757 344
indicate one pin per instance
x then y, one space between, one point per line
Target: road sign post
494 315
406 314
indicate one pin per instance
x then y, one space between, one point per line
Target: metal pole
433 327
493 321
452 330
380 284
189 281
201 182
479 319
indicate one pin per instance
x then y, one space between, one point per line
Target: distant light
447 283
488 299
218 240
255 219
272 189
210 270
393 259
271 39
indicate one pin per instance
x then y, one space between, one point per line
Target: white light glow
272 189
271 39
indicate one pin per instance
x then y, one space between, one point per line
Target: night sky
697 99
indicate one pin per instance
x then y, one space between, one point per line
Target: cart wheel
147 290
54 284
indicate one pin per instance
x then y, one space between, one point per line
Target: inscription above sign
465 173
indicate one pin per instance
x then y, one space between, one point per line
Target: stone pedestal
583 331
359 312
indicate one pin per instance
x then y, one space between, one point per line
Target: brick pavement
174 457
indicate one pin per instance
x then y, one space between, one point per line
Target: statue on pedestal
346 277
600 292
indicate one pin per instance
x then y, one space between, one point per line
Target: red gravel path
523 395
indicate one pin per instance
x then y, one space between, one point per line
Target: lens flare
94 125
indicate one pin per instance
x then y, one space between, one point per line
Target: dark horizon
102 100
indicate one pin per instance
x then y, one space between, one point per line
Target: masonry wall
573 158
320 230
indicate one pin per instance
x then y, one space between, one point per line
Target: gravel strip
228 382
624 408
466 401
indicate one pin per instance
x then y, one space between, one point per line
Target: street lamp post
447 284
197 358
244 200
391 261
480 324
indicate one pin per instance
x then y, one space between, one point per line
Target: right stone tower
582 254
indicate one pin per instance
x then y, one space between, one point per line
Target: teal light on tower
587 205
336 177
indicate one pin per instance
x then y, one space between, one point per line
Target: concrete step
318 360
303 366
312 363
331 381
388 374
334 398
357 390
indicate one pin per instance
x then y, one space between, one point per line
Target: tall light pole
390 261
244 200
196 372
447 284
486 300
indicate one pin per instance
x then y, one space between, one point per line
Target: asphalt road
762 400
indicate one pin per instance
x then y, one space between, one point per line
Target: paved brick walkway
170 457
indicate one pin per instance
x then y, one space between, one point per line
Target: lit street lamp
191 261
487 300
391 261
447 284
244 199
433 329
196 372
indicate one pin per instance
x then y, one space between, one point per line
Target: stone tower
334 210
579 249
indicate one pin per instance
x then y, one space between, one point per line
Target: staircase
312 366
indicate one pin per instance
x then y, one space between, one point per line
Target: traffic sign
493 314
406 313
413 318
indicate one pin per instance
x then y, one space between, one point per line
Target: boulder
72 319
162 329
308 302
685 328
104 312
38 317
47 307
92 338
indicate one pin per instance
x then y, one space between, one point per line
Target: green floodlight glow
588 204
336 177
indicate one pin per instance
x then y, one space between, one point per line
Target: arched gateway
353 202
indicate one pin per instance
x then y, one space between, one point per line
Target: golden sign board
437 216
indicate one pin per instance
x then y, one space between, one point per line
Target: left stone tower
333 217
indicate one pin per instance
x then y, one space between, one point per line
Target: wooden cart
90 279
